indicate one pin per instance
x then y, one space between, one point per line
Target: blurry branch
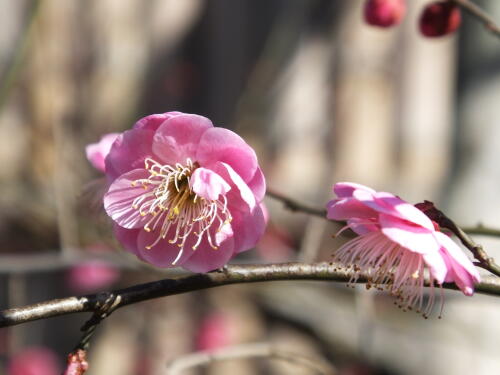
481 230
232 274
293 205
478 13
245 351
55 261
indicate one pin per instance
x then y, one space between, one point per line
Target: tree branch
478 13
294 205
484 260
245 351
233 274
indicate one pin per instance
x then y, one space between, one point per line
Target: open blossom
183 192
397 245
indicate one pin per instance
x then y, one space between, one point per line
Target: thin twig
233 274
245 351
293 205
478 13
481 230
483 259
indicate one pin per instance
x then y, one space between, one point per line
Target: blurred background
320 95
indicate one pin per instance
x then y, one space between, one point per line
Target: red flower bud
384 13
440 18
77 363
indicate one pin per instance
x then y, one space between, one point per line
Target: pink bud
214 332
34 361
440 18
91 276
77 363
384 13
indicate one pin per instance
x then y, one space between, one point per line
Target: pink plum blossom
214 332
183 192
440 18
77 363
97 152
91 276
34 361
384 13
397 245
94 274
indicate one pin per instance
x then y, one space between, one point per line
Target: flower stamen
171 203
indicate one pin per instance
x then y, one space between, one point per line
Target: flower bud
384 13
440 18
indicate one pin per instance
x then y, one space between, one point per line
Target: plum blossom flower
183 192
92 275
77 363
440 18
34 361
397 245
97 152
384 13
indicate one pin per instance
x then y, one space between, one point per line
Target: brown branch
483 260
293 205
245 351
479 14
233 274
481 230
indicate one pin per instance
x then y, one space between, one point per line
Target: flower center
175 209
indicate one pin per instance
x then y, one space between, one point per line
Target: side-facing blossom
183 192
397 245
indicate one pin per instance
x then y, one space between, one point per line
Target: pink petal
362 226
241 195
119 199
412 237
345 189
153 122
128 152
258 185
464 274
97 152
391 205
128 238
205 258
208 184
222 145
177 138
164 253
223 233
248 227
347 208
437 265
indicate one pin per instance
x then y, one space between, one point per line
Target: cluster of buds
437 19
